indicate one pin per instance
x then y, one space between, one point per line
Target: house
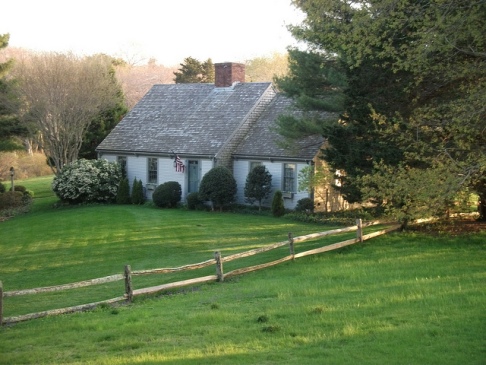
178 132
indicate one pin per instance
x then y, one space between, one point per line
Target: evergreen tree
10 128
194 71
106 120
278 207
137 192
412 98
123 193
258 185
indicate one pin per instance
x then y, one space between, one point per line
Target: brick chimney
226 73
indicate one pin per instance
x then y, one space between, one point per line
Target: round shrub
2 188
219 186
193 201
20 188
167 195
11 199
305 205
278 207
87 181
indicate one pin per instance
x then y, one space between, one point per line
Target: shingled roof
189 119
262 140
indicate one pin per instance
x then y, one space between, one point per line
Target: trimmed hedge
167 195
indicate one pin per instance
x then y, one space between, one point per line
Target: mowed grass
397 299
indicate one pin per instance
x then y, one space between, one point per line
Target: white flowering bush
88 181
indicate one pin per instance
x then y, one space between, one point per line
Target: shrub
218 186
193 201
278 207
305 205
2 188
87 181
123 193
20 188
167 195
258 185
11 199
137 192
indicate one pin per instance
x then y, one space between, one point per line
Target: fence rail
218 261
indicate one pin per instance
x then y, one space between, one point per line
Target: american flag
179 165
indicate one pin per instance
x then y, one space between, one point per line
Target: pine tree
193 71
123 193
137 192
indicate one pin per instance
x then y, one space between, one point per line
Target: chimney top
227 73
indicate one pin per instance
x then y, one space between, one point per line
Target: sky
166 30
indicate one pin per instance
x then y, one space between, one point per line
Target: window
289 179
254 164
122 161
152 170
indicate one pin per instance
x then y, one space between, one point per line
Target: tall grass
397 299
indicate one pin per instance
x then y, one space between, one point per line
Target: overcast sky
167 30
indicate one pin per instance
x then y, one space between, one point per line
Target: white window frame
289 186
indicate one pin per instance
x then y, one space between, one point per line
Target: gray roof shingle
263 141
192 119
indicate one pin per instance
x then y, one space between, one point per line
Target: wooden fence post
1 303
359 232
128 283
291 245
219 266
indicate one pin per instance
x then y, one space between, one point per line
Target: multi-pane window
289 178
122 161
152 170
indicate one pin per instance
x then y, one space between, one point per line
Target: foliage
316 179
123 192
305 205
262 69
11 199
278 207
194 71
61 95
193 201
10 130
103 123
2 188
414 76
138 197
87 181
258 185
218 186
26 165
167 195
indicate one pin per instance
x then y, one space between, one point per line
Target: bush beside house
87 181
278 207
218 186
167 195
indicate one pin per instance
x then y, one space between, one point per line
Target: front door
193 176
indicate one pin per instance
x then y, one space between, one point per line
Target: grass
398 299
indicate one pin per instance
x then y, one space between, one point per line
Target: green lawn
398 299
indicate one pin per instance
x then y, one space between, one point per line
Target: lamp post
12 174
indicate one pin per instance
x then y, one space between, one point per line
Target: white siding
137 168
241 170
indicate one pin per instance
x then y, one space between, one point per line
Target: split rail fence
218 261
